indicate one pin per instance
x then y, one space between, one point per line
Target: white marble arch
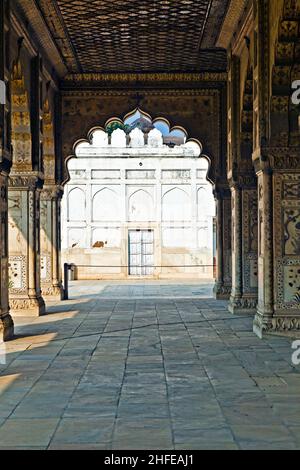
176 205
140 206
99 138
137 138
205 203
118 139
76 205
106 206
155 138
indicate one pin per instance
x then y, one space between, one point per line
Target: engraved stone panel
291 283
292 231
17 273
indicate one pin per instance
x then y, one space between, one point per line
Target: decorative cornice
277 158
42 36
239 41
142 78
232 18
75 93
52 17
25 180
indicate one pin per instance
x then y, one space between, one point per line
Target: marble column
265 310
223 283
279 244
236 228
6 322
244 293
51 275
24 244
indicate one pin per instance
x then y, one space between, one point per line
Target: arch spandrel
198 112
115 128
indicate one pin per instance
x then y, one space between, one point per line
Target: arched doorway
139 203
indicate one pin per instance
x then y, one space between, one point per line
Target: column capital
222 191
243 180
5 166
276 159
51 191
30 181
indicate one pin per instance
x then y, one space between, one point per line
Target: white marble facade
116 188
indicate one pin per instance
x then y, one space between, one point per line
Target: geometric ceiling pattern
137 35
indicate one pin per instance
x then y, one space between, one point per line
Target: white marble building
135 206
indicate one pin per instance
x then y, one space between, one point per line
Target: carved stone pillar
51 277
223 283
244 293
279 243
6 322
236 229
24 245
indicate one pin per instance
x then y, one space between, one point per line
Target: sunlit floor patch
138 366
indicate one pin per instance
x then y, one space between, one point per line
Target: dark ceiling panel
141 36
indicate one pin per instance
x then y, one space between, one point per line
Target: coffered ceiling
99 36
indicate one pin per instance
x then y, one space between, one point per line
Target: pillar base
27 307
6 327
53 293
243 305
263 320
280 324
222 292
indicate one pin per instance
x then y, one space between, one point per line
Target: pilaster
6 322
279 247
51 275
244 293
223 283
24 246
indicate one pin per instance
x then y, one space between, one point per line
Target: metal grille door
141 253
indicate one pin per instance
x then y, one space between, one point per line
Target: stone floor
155 366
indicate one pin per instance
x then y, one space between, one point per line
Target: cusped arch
134 114
93 133
170 138
105 205
140 206
176 205
76 205
205 202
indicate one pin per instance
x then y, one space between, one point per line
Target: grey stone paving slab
83 431
27 432
146 366
263 437
208 445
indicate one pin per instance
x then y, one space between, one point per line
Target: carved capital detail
49 193
26 304
27 181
